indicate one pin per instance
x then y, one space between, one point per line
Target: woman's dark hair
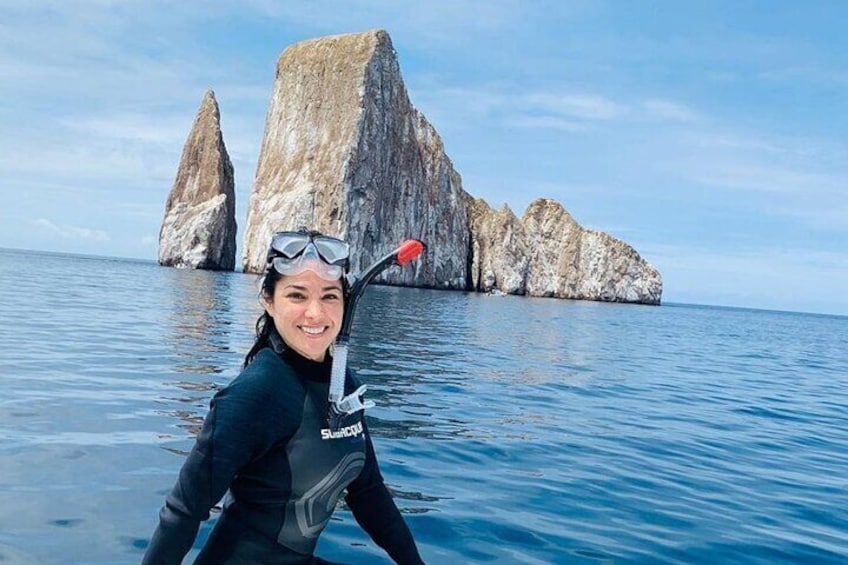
264 324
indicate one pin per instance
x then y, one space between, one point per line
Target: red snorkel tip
409 250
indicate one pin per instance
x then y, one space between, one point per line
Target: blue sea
510 429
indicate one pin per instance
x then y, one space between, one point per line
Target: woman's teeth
313 331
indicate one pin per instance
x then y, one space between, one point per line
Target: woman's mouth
313 330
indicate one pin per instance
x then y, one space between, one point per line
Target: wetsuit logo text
347 431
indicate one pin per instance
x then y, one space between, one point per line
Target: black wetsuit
262 440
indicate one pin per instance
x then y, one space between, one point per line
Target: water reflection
403 346
201 321
200 318
535 340
423 351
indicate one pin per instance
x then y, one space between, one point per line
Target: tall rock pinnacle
345 152
199 227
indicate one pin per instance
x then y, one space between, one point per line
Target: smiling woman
307 313
267 440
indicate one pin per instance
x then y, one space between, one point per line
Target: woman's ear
267 303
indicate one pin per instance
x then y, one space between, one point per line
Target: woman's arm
375 510
234 431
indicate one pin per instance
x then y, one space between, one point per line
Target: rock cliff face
548 253
199 227
568 261
499 252
345 152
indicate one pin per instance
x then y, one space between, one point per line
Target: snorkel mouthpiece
340 405
409 250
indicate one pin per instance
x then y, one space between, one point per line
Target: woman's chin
312 350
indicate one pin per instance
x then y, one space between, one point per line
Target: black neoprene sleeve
234 431
374 509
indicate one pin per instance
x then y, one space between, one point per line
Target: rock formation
199 227
547 253
568 261
345 152
499 252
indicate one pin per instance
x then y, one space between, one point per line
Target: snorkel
340 405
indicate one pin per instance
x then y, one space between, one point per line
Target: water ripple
510 430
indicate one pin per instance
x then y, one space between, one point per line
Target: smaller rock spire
199 227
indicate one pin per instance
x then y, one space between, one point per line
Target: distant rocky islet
199 227
346 153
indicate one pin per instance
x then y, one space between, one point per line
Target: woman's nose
314 309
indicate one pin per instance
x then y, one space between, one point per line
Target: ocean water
510 430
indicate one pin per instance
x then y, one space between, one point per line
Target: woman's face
307 312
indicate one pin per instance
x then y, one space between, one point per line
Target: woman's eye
295 296
331 297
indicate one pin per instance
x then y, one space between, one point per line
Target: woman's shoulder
267 374
264 399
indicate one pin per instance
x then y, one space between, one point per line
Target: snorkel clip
350 404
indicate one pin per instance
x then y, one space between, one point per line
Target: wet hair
265 324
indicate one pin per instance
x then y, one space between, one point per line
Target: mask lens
302 263
331 249
293 252
289 244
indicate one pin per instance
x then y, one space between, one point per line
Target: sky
712 136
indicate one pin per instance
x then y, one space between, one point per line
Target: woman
266 437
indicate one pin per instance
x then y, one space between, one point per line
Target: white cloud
832 216
805 184
144 128
507 103
445 103
668 110
803 180
91 153
763 177
557 108
436 23
807 73
66 231
707 138
546 122
93 164
580 106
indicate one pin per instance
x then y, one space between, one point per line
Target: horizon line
239 271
